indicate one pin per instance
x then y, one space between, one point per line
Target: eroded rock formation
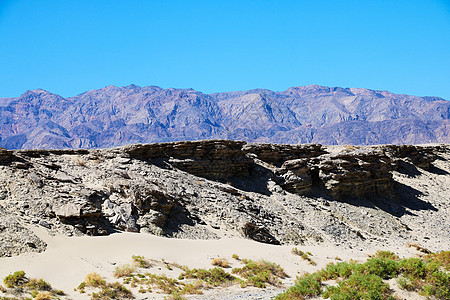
208 189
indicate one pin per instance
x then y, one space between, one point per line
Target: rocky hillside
115 116
378 196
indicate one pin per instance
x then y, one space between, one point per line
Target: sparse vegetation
305 286
44 296
425 275
220 262
141 261
214 277
36 288
39 285
258 273
359 286
112 291
125 270
94 280
419 248
16 279
235 256
305 256
107 290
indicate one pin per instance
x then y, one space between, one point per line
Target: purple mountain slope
114 116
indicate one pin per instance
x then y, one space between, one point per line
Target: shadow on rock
409 197
255 182
438 171
408 169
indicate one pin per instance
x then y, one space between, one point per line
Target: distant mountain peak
36 92
113 116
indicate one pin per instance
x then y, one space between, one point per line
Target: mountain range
115 116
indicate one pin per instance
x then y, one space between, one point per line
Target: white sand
67 260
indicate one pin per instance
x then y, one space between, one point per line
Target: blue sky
68 47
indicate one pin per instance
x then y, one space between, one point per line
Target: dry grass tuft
123 271
94 280
44 296
419 248
220 262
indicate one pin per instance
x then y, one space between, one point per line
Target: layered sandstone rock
270 193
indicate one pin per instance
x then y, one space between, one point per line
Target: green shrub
113 291
359 286
141 261
440 285
94 280
385 268
365 280
405 284
258 273
306 286
412 266
16 279
215 276
166 284
39 285
443 257
338 270
386 255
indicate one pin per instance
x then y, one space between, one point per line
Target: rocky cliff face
115 116
208 189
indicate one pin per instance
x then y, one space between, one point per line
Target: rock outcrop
206 189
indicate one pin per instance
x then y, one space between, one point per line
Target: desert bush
44 296
113 291
39 285
258 273
94 280
59 292
125 270
365 280
16 279
405 284
166 284
359 286
215 276
306 286
235 256
339 270
438 285
419 248
386 255
414 267
193 288
141 261
220 262
384 268
303 255
175 296
442 257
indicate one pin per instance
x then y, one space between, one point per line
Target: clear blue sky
68 47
